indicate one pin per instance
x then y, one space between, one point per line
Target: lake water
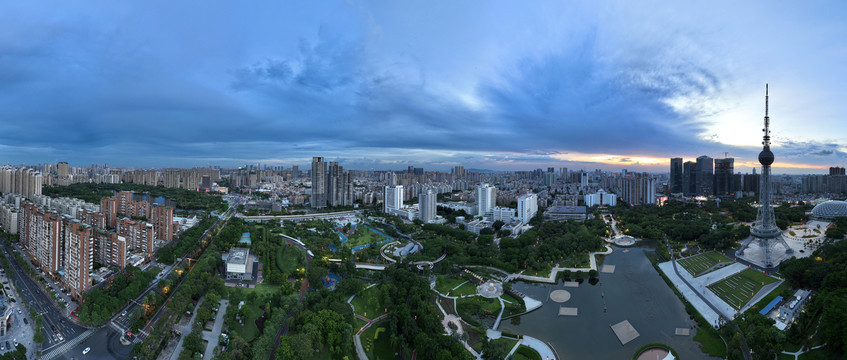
634 292
153 199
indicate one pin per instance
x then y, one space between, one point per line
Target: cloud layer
487 85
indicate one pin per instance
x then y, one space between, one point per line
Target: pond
153 199
634 292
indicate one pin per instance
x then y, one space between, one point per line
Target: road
149 328
54 322
105 342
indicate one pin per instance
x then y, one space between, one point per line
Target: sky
500 85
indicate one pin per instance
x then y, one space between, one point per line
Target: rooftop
238 256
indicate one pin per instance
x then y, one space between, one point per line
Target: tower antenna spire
767 137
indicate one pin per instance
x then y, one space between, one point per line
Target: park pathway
185 331
212 336
551 279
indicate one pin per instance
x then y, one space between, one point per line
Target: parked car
26 321
86 350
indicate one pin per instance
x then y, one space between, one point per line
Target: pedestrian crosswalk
61 349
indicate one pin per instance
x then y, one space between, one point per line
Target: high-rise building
23 181
319 185
295 172
40 235
527 207
109 248
638 189
427 205
704 176
339 186
393 199
79 257
689 178
583 179
62 170
486 198
676 176
138 234
162 218
836 170
724 169
459 172
601 197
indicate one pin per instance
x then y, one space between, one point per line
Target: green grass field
467 288
288 258
445 284
363 236
367 303
249 331
479 305
510 343
738 289
377 342
526 353
702 263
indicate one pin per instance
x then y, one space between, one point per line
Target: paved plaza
625 332
490 289
568 311
608 269
560 296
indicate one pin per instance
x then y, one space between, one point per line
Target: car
19 311
26 321
86 350
2 348
123 313
60 337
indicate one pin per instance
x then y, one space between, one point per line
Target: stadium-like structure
830 209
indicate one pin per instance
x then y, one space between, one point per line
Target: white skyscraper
393 199
427 205
527 207
486 198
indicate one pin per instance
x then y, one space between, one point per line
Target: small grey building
239 264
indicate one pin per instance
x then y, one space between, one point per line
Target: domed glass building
830 209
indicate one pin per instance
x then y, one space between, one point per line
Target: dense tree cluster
188 241
184 199
99 304
826 273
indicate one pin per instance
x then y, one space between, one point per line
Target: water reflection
634 292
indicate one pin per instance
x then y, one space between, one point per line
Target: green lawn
288 258
738 289
510 343
544 272
702 263
526 353
358 324
367 303
479 305
363 236
249 331
514 300
710 342
468 288
377 342
824 353
445 284
260 289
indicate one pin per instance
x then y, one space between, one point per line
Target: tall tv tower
764 232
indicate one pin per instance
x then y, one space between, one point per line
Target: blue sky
495 85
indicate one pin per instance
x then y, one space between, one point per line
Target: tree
492 350
498 224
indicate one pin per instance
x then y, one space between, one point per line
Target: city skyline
494 86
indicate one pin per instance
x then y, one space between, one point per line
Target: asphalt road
54 322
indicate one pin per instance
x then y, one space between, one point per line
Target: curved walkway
592 257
